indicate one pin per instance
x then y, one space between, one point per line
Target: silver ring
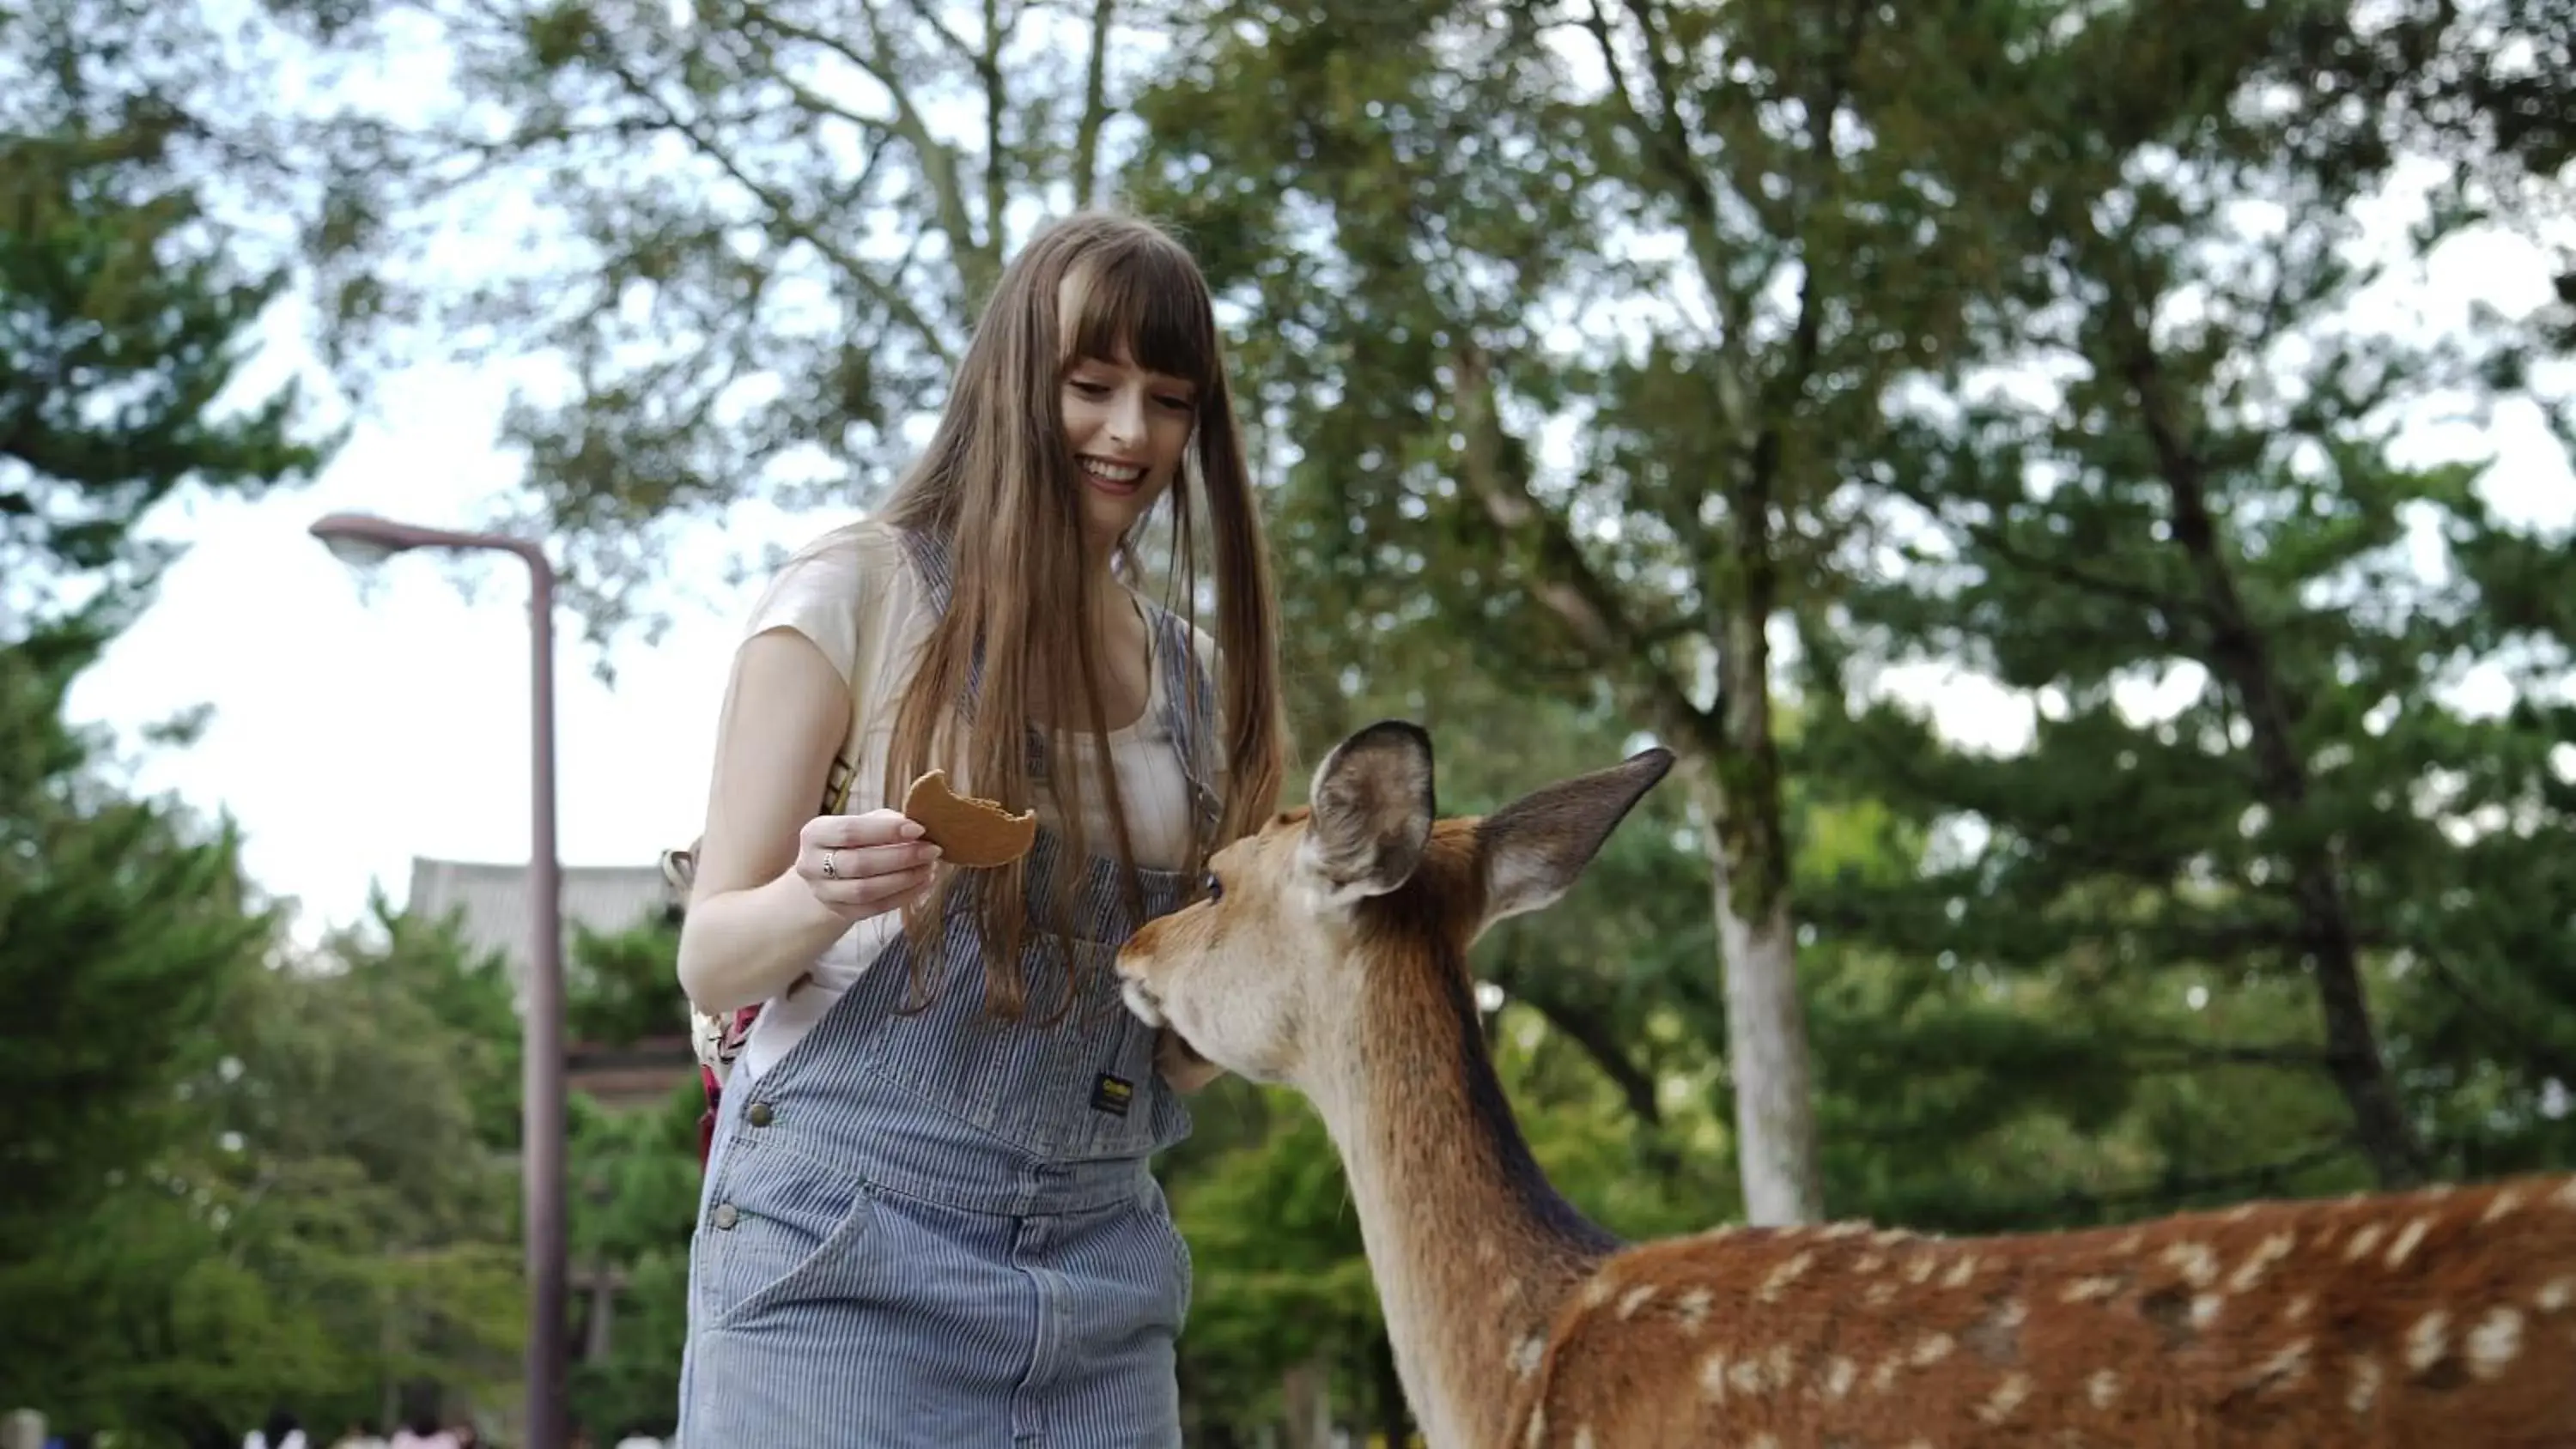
828 872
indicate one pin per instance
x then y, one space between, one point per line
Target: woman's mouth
1116 479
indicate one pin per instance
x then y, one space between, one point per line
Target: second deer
1331 955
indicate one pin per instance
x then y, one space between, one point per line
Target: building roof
491 900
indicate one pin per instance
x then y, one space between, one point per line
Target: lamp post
362 539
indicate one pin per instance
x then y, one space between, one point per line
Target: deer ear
1370 812
1535 848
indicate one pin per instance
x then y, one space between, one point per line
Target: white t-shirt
864 571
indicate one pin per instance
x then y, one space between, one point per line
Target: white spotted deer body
1333 957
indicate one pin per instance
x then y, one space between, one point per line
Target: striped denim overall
940 1229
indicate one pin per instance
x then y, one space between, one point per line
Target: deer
1328 952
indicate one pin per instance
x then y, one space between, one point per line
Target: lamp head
358 539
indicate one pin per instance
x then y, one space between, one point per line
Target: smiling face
1129 428
1133 352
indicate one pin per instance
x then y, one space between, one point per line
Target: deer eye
1215 888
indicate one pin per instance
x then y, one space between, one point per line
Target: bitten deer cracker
968 831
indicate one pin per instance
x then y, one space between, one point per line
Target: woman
927 1216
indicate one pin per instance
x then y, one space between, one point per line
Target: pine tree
2179 530
126 924
126 312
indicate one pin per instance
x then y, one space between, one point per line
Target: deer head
1331 955
1296 913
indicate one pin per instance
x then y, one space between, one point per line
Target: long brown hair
999 490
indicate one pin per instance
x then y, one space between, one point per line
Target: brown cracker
968 831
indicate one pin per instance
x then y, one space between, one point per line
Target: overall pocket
1078 1087
779 1228
1158 1211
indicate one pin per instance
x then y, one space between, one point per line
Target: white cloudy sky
355 728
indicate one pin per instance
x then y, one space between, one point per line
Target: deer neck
1471 1250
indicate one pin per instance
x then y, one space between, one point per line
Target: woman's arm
762 909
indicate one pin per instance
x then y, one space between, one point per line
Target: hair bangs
1145 301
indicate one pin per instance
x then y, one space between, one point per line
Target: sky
361 720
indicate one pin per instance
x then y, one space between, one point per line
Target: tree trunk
1740 793
1735 766
1766 1028
1306 1396
2240 656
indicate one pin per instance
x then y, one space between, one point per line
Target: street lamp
365 540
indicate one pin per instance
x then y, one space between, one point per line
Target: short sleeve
821 592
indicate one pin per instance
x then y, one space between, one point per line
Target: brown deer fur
1334 958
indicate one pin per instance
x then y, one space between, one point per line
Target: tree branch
783 216
954 43
1567 585
975 256
2240 654
1095 106
2174 1188
997 106
1670 151
2542 1054
2164 609
1589 1031
2154 1054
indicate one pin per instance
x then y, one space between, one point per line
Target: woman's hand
1180 1063
864 865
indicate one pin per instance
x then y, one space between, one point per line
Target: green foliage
424 968
1277 1267
620 988
635 1199
124 926
2247 638
320 1222
126 309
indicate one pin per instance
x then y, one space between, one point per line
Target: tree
125 924
125 928
317 1220
635 1183
128 932
620 989
128 308
755 232
1442 225
2188 490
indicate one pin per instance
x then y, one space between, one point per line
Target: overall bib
940 1229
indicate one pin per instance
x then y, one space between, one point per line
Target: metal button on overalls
726 1216
758 1114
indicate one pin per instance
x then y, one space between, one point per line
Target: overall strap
1190 702
930 555
1190 717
